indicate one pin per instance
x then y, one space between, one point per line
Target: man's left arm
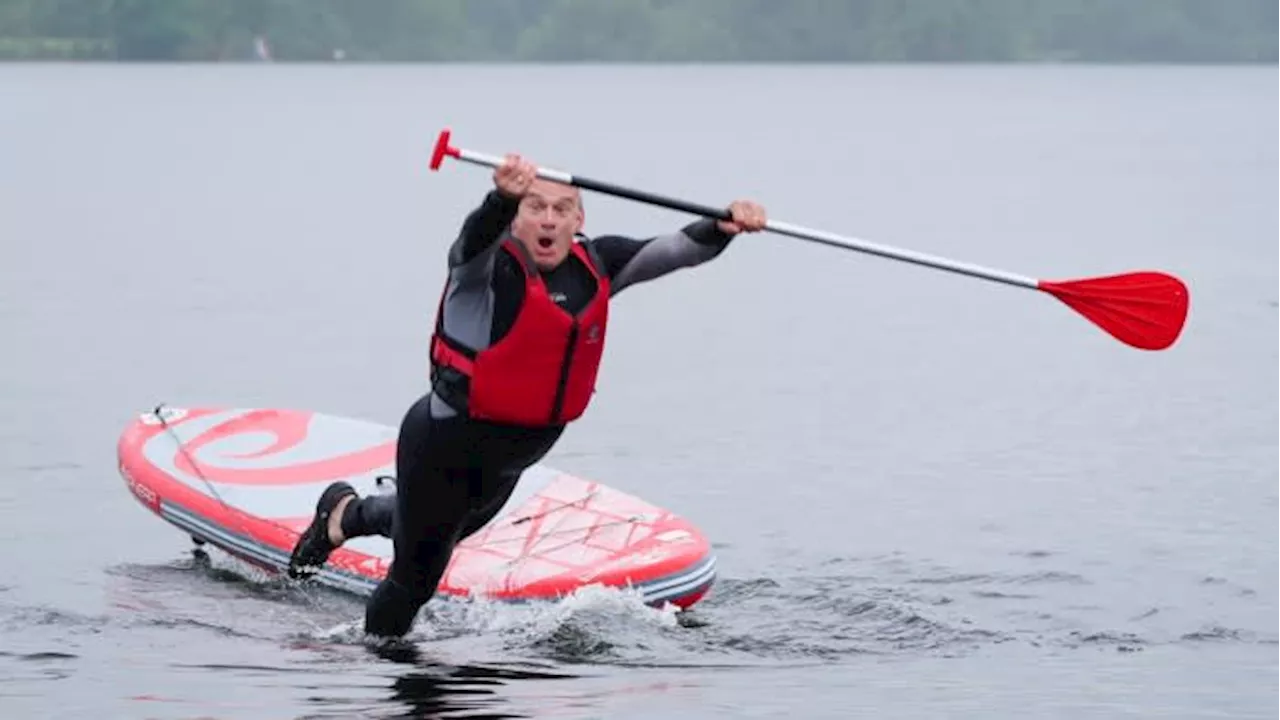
628 261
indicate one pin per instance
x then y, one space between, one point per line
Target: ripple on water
830 610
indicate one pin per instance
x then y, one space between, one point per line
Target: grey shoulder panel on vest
467 310
467 313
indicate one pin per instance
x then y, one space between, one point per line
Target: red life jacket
543 371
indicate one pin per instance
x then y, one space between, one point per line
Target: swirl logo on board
293 456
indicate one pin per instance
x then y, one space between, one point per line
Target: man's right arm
482 228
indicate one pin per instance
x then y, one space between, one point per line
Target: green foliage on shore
1155 31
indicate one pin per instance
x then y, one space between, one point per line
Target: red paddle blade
1144 309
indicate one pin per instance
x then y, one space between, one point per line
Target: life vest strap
448 354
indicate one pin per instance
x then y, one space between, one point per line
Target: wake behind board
247 480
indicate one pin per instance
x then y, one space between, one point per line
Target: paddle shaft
795 231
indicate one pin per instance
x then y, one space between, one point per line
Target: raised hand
514 176
747 217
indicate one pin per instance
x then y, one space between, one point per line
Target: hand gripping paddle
1144 309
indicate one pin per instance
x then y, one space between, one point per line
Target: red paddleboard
247 480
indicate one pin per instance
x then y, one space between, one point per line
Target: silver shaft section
494 161
826 238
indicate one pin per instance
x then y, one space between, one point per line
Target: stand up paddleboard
247 480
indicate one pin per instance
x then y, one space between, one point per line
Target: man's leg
426 531
431 505
375 514
435 510
506 485
452 477
369 515
342 515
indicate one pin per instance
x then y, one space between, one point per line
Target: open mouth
546 242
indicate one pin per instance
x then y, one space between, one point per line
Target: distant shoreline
649 32
649 63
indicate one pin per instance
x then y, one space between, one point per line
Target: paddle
1145 309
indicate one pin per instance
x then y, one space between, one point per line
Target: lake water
930 496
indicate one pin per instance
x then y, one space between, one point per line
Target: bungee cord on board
159 415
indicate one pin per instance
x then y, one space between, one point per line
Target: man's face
549 215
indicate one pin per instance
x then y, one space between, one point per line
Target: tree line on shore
1102 31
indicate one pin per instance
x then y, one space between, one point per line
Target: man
518 339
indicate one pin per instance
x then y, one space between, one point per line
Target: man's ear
582 220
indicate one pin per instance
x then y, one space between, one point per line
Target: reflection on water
458 690
435 689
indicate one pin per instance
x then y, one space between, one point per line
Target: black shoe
313 547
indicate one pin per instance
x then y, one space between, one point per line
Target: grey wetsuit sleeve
481 230
628 261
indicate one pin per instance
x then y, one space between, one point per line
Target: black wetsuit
453 474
